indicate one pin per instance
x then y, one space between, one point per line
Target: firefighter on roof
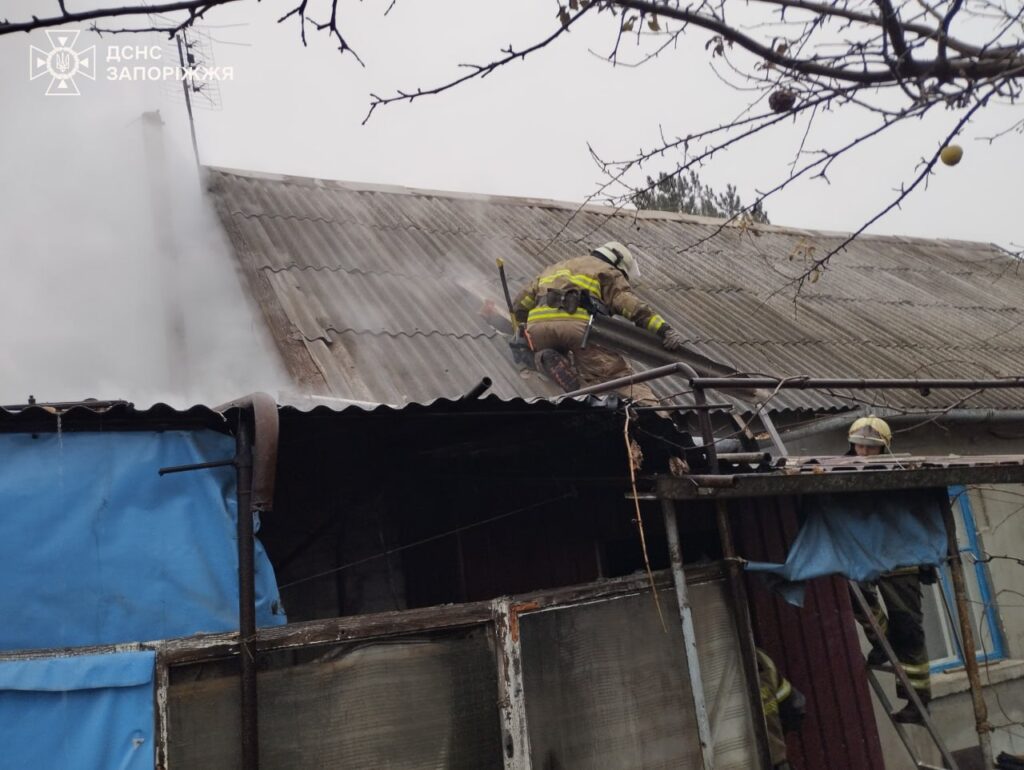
557 305
901 619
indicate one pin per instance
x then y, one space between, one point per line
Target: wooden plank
515 734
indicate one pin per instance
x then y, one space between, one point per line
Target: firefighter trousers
594 364
903 624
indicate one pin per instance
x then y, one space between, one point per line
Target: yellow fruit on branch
951 154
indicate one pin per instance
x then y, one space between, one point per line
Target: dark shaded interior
393 509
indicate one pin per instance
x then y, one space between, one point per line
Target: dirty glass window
606 686
425 702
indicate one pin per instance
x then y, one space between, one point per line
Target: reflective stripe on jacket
589 275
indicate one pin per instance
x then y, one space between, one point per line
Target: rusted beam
247 594
738 592
956 569
745 631
775 484
852 383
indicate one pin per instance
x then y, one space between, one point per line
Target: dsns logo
62 62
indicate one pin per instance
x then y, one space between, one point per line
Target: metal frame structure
502 614
669 490
758 485
256 453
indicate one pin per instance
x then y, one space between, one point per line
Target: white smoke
92 252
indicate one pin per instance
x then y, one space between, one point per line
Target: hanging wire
407 546
640 520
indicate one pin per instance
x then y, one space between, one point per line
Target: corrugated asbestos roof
123 415
373 293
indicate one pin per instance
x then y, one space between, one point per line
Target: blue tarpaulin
78 713
860 536
97 548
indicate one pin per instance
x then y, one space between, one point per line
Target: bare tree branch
478 71
196 9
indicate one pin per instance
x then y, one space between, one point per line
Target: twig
640 521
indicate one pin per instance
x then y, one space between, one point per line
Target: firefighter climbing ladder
901 675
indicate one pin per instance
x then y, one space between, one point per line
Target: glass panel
427 702
942 630
606 687
939 641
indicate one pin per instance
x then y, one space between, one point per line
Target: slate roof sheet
373 292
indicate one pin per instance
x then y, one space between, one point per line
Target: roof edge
591 208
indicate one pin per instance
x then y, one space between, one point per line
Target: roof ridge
389 189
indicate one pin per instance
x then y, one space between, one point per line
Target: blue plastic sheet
860 536
78 713
97 548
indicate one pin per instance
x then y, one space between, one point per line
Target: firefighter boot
908 715
877 657
558 368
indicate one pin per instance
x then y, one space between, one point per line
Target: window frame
960 502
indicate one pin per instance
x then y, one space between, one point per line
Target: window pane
606 687
939 641
426 703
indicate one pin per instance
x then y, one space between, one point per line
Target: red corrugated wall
816 647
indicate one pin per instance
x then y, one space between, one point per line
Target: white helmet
871 431
617 255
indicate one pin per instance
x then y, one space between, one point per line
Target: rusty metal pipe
246 595
791 383
744 457
256 439
684 408
737 590
956 568
814 383
745 631
650 374
478 390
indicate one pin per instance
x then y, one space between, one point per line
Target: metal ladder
895 667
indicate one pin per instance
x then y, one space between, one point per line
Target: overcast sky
71 165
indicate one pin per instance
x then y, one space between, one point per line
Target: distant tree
684 193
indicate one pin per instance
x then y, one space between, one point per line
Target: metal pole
745 631
792 383
188 97
956 569
737 589
675 554
246 594
851 383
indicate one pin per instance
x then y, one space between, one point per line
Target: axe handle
504 288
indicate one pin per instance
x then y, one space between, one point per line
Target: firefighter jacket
784 706
568 290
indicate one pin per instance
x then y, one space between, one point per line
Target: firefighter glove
671 339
